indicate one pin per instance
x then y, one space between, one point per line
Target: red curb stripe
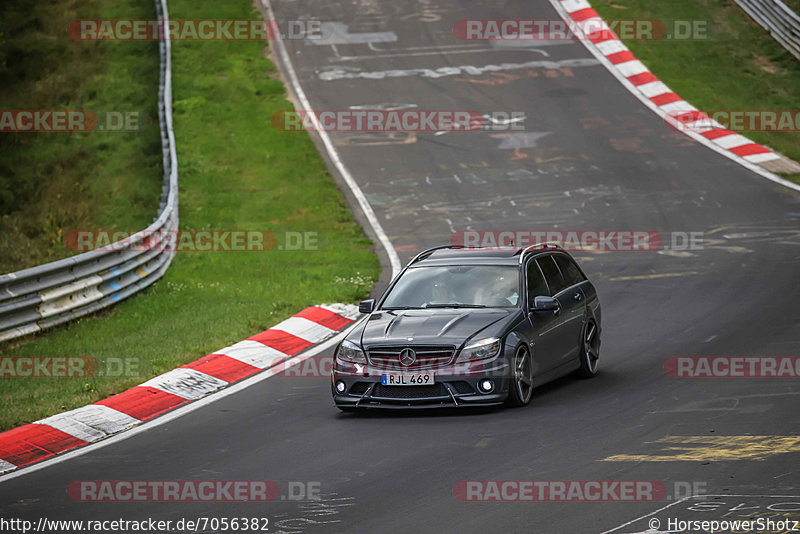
282 341
749 149
643 78
717 133
34 442
223 367
665 98
143 402
326 318
583 14
602 36
621 57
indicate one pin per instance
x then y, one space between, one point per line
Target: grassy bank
236 173
738 67
51 182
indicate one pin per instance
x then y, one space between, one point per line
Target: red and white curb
676 111
43 439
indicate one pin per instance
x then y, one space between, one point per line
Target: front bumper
452 387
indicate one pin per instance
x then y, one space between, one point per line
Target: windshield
479 286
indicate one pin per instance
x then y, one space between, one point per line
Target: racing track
593 158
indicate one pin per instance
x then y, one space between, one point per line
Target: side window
551 274
537 287
570 271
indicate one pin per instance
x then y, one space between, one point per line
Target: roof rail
550 245
431 250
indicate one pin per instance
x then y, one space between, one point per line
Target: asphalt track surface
594 158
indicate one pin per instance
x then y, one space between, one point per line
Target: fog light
486 385
340 386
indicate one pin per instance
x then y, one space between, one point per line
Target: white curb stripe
6 466
304 329
90 423
760 158
732 141
253 353
654 89
612 46
631 68
186 383
575 5
349 311
678 105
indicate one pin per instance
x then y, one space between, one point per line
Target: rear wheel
521 387
590 350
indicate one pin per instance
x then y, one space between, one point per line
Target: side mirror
543 304
366 306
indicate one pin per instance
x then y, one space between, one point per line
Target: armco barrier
47 295
778 19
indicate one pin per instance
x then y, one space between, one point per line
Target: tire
590 350
520 390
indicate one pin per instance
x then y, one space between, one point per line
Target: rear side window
537 287
551 274
572 275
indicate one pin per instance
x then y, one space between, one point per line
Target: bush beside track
236 173
739 66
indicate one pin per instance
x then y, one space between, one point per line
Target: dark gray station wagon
470 327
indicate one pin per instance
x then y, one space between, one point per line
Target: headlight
479 350
350 352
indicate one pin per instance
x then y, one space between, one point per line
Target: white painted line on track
394 259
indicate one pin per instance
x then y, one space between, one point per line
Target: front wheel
521 387
590 350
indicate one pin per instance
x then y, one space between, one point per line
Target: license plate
407 379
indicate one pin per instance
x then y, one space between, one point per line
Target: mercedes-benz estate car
470 327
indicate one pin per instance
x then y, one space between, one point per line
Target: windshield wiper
389 308
455 305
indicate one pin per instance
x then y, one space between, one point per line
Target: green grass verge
52 182
738 67
236 173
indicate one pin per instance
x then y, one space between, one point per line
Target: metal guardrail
778 19
54 293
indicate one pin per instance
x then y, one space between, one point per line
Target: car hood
436 326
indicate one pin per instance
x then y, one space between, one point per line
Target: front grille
359 388
428 356
409 392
